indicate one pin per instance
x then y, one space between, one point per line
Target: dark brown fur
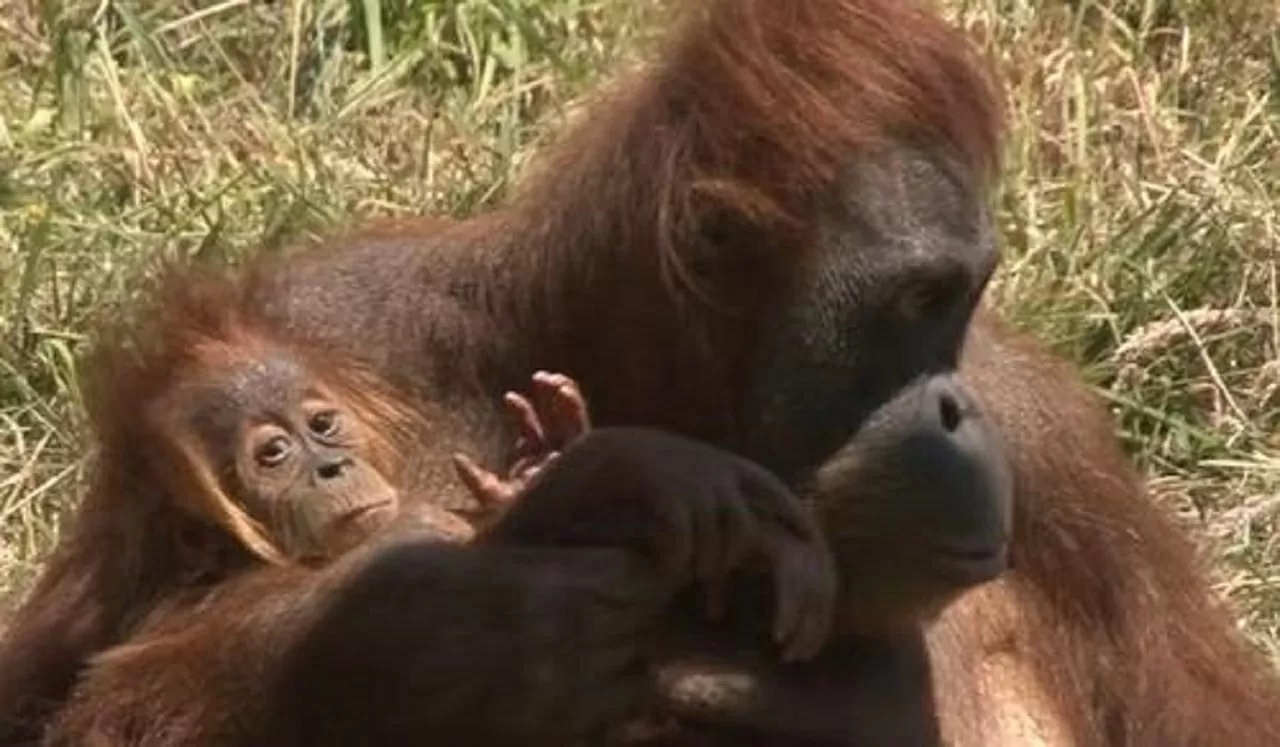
756 110
682 212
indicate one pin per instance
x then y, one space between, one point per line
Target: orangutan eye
324 423
927 301
273 452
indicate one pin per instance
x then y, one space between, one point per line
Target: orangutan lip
975 563
358 513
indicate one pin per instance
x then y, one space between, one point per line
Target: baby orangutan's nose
332 468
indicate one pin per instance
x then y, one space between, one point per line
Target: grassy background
1140 207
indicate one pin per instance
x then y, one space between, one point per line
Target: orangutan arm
540 633
414 638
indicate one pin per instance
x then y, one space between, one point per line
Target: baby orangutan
301 470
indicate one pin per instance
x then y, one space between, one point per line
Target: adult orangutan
225 444
774 240
786 215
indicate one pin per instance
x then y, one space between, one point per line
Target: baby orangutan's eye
273 452
324 423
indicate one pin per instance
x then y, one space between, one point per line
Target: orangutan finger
560 402
530 438
487 487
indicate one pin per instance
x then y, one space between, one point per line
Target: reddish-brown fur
604 235
148 530
743 129
1120 624
1115 617
156 537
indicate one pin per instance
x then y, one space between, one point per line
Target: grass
1140 204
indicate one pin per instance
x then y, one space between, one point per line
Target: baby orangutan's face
294 457
301 463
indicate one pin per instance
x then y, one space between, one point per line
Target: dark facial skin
294 458
856 396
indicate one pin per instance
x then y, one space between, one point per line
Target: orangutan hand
554 417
